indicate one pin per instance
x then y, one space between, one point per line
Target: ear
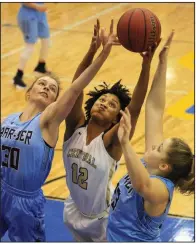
116 120
27 96
164 167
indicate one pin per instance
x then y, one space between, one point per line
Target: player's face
156 157
44 90
106 108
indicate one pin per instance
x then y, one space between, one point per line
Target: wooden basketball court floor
71 26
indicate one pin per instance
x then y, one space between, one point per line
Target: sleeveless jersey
89 170
128 220
25 157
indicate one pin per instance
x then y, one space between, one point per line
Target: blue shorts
22 214
33 25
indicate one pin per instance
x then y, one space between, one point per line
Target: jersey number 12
81 178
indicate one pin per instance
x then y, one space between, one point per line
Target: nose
103 105
46 88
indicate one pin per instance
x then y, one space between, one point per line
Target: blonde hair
181 159
51 75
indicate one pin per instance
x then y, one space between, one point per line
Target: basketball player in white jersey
91 149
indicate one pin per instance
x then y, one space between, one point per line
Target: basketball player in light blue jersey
33 24
27 147
142 198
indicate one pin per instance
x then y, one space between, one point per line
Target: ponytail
187 185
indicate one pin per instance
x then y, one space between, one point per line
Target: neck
94 129
30 111
156 172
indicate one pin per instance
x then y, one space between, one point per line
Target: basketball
138 29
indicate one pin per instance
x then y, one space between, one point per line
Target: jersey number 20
81 178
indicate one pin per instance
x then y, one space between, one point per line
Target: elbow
156 108
157 102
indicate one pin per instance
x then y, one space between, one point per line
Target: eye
101 100
53 89
112 105
41 83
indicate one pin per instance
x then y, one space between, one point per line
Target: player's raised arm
141 88
58 111
152 190
155 103
76 116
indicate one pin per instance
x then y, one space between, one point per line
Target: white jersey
89 170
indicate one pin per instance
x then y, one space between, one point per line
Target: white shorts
84 229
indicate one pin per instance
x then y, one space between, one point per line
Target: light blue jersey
33 24
128 221
25 158
25 164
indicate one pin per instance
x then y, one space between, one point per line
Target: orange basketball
138 29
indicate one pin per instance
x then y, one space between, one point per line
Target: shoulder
158 198
165 186
78 131
70 130
4 119
168 183
45 115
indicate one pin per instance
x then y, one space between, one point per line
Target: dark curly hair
117 89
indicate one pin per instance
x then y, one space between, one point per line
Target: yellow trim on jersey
97 216
111 173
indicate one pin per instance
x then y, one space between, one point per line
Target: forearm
156 97
87 60
66 102
76 112
31 5
140 90
136 170
89 73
